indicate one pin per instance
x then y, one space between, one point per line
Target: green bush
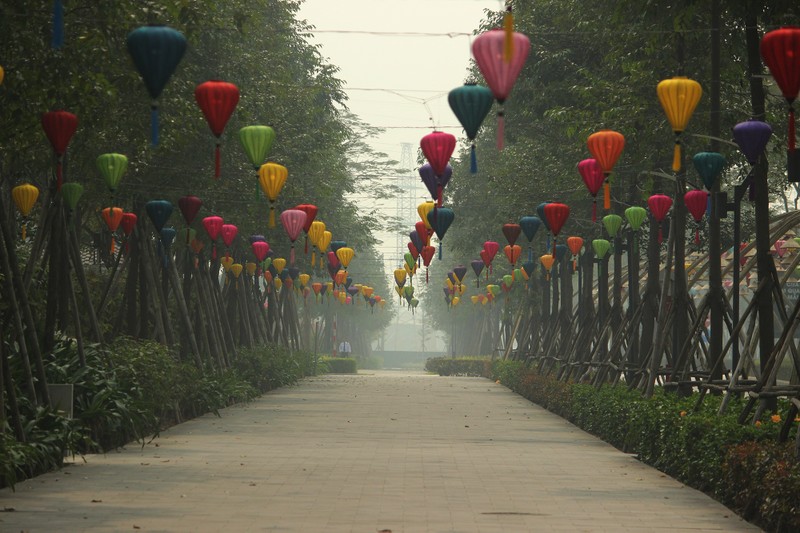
458 366
739 464
340 365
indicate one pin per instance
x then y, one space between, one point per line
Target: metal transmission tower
406 198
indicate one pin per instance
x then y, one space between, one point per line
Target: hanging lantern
112 217
437 147
257 142
635 216
427 253
345 255
422 210
512 253
156 52
213 227
59 127
228 233
696 201
556 215
574 244
530 225
112 167
606 146
315 233
752 137
217 99
128 224
500 58
679 97
659 207
477 267
293 221
435 183
71 192
189 206
781 52
547 261
511 232
470 104
440 220
593 177
24 197
272 176
311 213
601 247
709 166
159 212
612 224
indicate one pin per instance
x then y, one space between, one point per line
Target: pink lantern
491 248
659 205
438 147
228 232
499 67
260 250
696 202
293 221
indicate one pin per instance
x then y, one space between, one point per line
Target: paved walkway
379 451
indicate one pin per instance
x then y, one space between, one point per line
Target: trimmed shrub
458 366
340 365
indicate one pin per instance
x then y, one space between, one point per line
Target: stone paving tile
384 450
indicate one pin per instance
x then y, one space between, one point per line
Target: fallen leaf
97 501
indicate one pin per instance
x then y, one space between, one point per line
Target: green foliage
340 365
739 464
459 366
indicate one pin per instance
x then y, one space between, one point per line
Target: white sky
409 69
416 67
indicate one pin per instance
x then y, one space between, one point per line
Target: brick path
377 451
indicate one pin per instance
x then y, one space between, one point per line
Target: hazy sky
415 68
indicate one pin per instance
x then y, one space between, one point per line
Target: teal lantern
709 165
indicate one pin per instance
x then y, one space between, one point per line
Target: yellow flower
758 423
683 413
775 418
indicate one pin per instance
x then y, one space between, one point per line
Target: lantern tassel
272 215
439 190
217 162
791 129
676 156
154 124
59 172
473 160
660 234
606 195
574 264
440 252
58 24
24 231
426 276
313 258
113 247
508 26
501 128
291 256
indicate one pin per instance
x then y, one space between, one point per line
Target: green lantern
508 279
612 224
601 247
257 141
636 216
112 167
71 192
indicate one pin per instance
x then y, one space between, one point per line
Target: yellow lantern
399 276
314 235
278 283
449 284
342 297
227 263
330 286
324 241
423 209
251 268
368 291
474 299
303 280
271 177
679 97
345 255
455 301
25 197
236 268
279 264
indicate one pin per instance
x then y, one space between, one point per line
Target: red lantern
606 147
592 174
491 248
59 126
556 214
696 202
413 249
659 207
437 148
113 218
311 214
128 222
228 232
427 253
511 231
217 99
423 232
781 52
213 226
189 206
